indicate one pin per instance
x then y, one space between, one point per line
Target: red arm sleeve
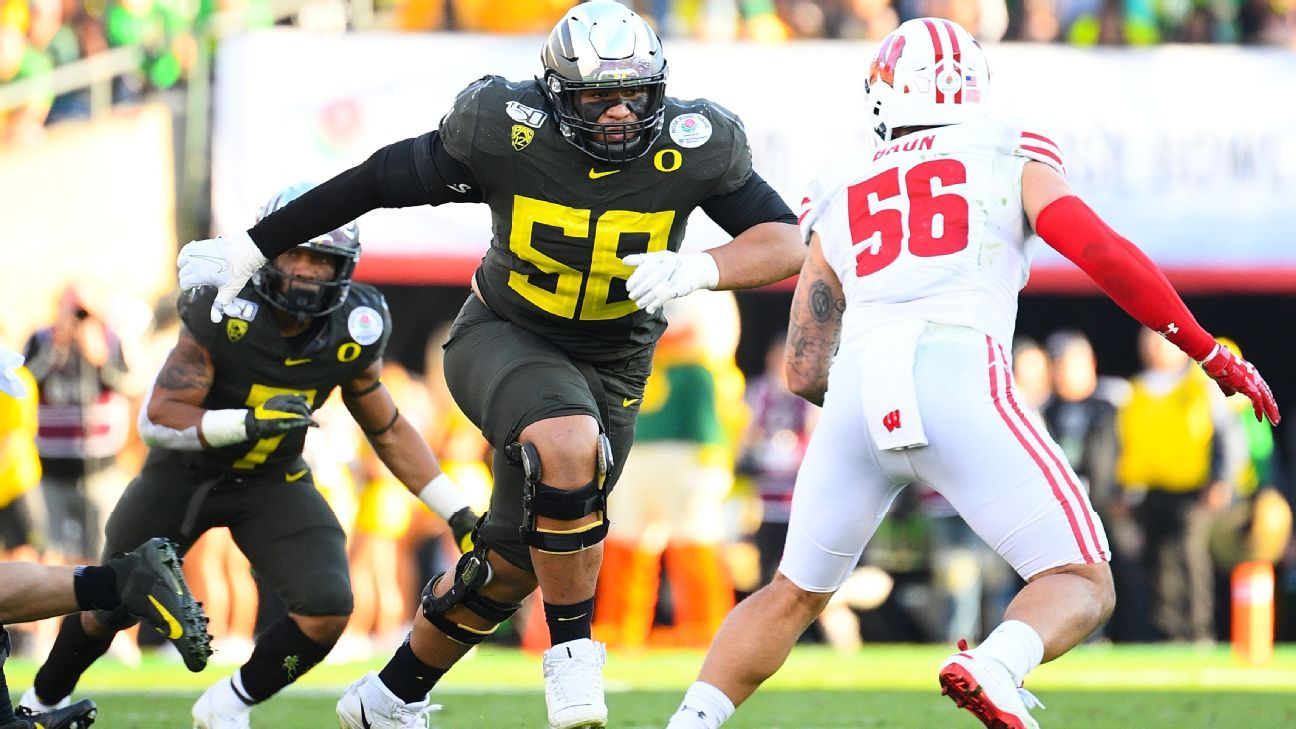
1122 271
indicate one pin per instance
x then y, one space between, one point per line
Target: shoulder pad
363 303
194 307
717 135
366 295
1035 146
723 125
487 99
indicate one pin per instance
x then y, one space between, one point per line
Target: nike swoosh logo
568 620
290 362
290 477
216 259
172 623
595 175
629 401
364 720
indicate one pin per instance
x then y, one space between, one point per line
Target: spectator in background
1179 445
165 29
1266 22
1256 526
1030 369
1116 23
1038 21
48 34
772 449
20 469
672 490
20 61
83 422
1084 425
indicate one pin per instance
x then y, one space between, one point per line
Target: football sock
1016 645
95 587
409 678
569 622
73 652
704 707
282 655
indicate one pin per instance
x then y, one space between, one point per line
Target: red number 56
923 209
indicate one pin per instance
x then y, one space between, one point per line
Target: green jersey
254 362
562 222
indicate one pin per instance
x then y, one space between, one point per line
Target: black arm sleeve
410 172
752 204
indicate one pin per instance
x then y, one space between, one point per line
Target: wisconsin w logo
891 420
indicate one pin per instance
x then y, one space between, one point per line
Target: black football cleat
153 589
73 716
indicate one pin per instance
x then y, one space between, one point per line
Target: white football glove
226 263
664 275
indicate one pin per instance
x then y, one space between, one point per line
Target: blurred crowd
37 36
1187 483
1078 22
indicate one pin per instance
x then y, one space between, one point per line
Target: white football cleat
985 688
220 708
573 674
369 704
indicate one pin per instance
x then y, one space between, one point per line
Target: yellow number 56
605 264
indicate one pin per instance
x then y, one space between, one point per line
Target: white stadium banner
1189 152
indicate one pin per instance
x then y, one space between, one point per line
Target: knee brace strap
545 500
471 574
541 499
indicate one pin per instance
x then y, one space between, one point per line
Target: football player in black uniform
590 173
227 421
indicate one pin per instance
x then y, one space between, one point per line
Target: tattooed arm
815 326
173 413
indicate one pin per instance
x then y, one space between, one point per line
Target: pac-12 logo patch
365 325
690 130
521 136
235 329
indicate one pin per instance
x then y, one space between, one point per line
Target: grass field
882 686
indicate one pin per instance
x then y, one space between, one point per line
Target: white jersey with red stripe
929 240
930 227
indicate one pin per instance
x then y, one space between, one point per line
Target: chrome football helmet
303 297
927 72
605 46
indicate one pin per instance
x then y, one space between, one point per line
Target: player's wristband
224 427
1213 353
442 496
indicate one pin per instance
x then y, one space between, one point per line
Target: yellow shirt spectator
20 467
1166 434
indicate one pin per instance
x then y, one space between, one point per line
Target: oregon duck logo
522 136
235 329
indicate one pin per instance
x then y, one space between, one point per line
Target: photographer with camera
84 421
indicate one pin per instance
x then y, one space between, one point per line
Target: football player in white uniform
916 258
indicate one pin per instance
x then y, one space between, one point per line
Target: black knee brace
541 499
470 575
